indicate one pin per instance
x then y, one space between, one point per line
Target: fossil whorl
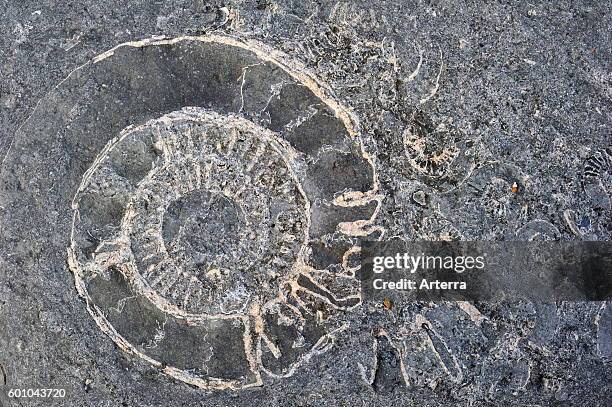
214 223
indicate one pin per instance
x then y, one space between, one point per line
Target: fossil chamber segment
221 193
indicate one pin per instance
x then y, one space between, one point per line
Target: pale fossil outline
346 198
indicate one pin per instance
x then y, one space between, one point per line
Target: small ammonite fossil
597 186
441 156
491 200
221 191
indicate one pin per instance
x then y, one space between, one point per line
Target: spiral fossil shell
220 190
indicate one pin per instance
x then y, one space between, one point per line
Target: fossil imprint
213 231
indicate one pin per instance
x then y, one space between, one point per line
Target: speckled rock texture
184 186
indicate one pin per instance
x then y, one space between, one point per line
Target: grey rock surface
425 120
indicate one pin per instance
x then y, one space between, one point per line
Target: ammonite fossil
593 219
491 199
221 191
441 156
